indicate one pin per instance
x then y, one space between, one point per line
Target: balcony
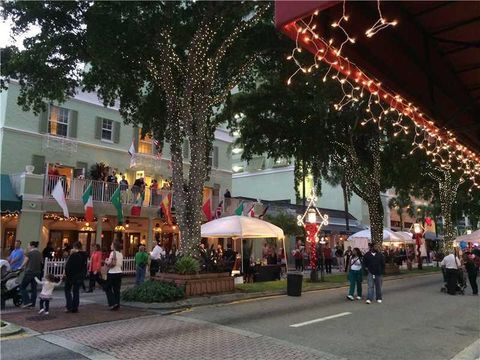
102 191
59 143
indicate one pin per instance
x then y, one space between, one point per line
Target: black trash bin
294 283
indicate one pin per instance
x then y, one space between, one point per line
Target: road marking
320 319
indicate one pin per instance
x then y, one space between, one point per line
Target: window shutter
116 132
39 162
72 126
186 149
215 157
43 126
135 138
98 128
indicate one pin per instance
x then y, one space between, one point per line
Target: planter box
391 269
200 284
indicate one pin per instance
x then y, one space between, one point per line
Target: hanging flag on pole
207 209
137 206
118 205
59 196
251 212
263 213
166 205
133 155
239 209
87 199
218 210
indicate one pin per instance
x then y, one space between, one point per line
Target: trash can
294 283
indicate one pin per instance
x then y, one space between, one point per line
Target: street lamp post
309 223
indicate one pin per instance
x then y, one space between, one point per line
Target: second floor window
58 121
107 130
145 145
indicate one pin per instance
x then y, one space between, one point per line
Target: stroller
459 286
10 285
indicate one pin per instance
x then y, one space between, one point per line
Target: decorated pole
309 222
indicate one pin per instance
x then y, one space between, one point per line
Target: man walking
141 261
327 254
157 253
16 257
451 263
33 268
75 270
374 264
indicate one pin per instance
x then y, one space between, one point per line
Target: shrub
187 265
154 291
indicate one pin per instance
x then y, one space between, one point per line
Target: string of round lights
381 104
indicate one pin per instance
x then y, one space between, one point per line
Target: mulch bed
57 319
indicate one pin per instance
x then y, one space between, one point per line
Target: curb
172 308
10 329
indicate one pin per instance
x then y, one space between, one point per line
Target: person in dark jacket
374 265
472 272
75 270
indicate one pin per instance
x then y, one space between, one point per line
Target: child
47 290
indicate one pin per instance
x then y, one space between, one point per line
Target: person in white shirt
48 284
451 264
155 256
355 274
114 276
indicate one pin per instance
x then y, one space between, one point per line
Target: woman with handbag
114 276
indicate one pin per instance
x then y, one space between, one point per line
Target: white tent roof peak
241 226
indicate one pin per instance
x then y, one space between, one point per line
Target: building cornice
264 172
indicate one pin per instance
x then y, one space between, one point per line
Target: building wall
21 140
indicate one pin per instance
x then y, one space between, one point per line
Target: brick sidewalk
161 337
58 319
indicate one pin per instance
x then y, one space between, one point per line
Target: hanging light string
440 145
380 24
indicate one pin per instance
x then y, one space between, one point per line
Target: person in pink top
94 267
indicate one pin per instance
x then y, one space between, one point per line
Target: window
213 158
107 130
58 121
145 145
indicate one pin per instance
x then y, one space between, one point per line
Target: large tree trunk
447 191
375 212
345 201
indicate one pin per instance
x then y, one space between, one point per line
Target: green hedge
154 291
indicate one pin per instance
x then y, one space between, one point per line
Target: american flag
219 210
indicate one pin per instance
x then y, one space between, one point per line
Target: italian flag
88 203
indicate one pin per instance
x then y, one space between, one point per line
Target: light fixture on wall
157 228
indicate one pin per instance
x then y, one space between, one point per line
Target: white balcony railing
59 143
102 191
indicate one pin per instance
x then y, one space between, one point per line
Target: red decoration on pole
312 230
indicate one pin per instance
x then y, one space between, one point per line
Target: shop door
133 241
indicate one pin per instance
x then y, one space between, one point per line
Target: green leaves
154 291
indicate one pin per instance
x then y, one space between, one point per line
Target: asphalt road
415 321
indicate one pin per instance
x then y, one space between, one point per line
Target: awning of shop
10 202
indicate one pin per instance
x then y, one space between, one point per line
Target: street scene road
414 320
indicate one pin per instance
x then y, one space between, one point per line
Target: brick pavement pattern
161 337
58 319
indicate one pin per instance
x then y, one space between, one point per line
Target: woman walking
355 274
114 276
94 267
472 272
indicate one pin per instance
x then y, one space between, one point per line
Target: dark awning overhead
10 202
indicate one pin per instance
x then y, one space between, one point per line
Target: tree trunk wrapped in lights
366 184
448 188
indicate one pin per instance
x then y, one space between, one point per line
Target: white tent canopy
407 236
473 237
388 236
244 227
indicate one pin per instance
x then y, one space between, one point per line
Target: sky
5 35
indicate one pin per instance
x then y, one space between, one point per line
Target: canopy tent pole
285 255
241 251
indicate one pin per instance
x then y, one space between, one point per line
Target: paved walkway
172 337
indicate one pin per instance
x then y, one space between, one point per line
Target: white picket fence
56 267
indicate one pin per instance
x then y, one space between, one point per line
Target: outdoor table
267 272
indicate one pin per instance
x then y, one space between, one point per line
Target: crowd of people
74 276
